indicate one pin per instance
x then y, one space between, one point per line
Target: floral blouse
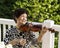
13 33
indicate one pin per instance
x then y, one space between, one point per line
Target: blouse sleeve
7 37
33 39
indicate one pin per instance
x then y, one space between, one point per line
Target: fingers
44 29
22 42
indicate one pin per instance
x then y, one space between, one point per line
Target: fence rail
48 38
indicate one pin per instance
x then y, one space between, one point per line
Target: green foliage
6 7
56 40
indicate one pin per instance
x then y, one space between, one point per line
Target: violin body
33 27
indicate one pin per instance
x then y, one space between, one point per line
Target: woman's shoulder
11 29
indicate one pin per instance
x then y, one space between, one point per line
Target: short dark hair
18 12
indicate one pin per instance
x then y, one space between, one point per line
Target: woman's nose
25 18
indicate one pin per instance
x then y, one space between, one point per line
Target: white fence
48 38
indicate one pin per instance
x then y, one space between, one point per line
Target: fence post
48 38
4 30
59 40
0 32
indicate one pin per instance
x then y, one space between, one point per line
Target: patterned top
13 33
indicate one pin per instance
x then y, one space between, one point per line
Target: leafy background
39 10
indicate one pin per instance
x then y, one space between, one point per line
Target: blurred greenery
39 10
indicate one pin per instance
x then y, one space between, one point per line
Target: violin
33 27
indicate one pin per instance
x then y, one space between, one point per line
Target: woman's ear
15 19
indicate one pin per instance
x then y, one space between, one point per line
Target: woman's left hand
44 30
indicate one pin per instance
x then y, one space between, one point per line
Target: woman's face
22 19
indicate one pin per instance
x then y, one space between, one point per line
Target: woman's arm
9 39
44 30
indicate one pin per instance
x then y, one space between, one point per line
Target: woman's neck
18 25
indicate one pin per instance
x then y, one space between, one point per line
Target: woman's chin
24 22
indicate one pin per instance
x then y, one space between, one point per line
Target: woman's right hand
22 42
14 41
18 41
